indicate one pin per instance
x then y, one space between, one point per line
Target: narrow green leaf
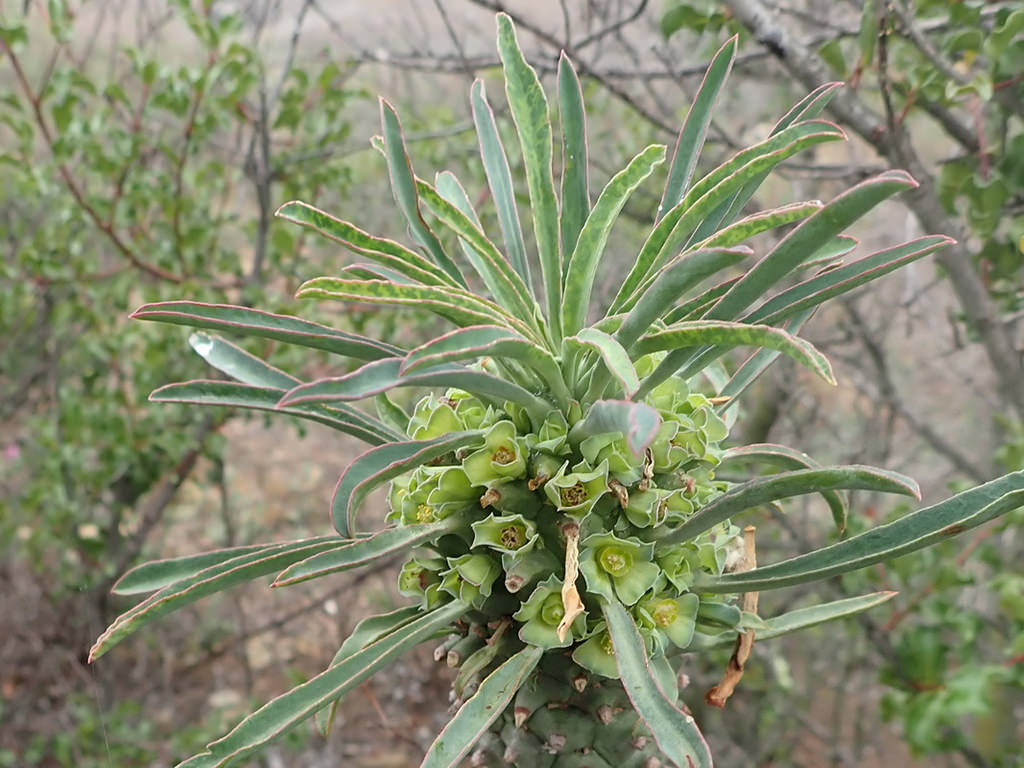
695 127
670 283
365 632
374 272
282 714
157 574
340 416
582 268
391 413
208 581
254 322
357 553
759 222
237 363
758 363
575 182
499 179
529 107
483 708
804 618
675 732
383 463
501 280
639 422
907 534
383 375
672 232
403 186
788 458
480 341
807 108
613 355
835 282
458 306
811 234
695 308
388 253
786 484
696 334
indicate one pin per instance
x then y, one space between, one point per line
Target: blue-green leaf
582 268
675 732
357 553
288 710
786 484
384 375
403 186
483 708
499 179
383 463
575 183
255 322
385 252
695 127
215 578
911 532
529 107
340 416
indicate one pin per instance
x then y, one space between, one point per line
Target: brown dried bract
717 696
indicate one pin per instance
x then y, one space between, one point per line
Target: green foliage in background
123 185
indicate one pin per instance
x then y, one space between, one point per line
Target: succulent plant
557 492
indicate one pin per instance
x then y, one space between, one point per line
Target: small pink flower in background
12 452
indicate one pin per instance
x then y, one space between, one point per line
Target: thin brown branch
71 183
719 695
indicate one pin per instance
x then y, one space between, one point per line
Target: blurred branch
887 392
103 224
852 112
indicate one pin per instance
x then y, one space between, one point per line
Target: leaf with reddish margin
786 484
478 341
403 186
690 336
694 130
639 422
614 357
675 732
215 578
385 252
672 232
157 574
575 182
789 458
283 713
386 462
267 325
909 533
459 306
483 708
384 375
529 108
835 282
499 180
355 554
807 238
340 416
801 618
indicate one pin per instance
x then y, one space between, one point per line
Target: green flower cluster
518 500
